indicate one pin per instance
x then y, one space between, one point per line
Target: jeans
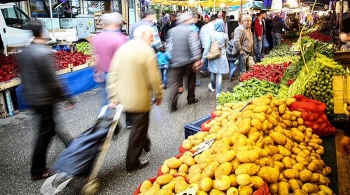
258 47
216 81
233 68
46 132
276 39
164 71
243 58
205 66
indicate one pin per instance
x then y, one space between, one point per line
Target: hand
345 145
241 52
259 38
112 105
158 102
197 65
98 77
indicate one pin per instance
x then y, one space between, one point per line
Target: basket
195 127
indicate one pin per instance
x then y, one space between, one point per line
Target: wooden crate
341 93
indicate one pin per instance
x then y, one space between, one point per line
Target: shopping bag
214 51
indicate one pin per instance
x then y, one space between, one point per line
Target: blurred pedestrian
169 25
243 42
231 58
149 19
277 26
231 26
184 46
204 35
42 89
258 34
218 66
164 58
132 80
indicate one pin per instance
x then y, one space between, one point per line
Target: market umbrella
255 5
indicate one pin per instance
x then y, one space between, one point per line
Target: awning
208 3
255 5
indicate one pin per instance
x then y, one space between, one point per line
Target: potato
247 156
153 190
173 163
327 170
291 174
180 186
284 151
145 186
209 170
323 180
261 108
305 175
216 192
313 166
326 189
287 162
231 191
282 109
294 185
273 149
244 126
278 138
235 163
223 169
164 179
273 188
245 190
164 192
310 188
314 178
247 168
256 181
277 157
278 165
205 184
194 178
296 150
272 120
282 178
299 192
188 160
298 166
183 168
222 183
269 174
227 156
243 179
283 188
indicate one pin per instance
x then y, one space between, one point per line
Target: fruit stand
272 129
66 61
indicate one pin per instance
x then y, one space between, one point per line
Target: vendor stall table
342 57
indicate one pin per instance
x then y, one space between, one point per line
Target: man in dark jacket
42 90
171 24
231 26
277 25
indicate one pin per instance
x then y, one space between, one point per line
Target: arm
169 42
111 81
168 55
207 46
238 40
257 28
286 27
195 45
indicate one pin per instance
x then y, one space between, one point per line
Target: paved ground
166 130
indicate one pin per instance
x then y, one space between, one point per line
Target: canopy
206 3
255 5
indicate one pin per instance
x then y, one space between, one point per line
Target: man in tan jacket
133 78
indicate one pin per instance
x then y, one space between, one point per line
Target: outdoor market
242 97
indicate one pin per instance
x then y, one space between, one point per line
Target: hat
148 12
183 17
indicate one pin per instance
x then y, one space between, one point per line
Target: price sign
245 105
191 190
204 146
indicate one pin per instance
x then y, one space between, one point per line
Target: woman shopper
217 66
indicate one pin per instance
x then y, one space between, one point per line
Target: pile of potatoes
263 143
164 185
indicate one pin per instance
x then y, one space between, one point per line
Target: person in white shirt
203 35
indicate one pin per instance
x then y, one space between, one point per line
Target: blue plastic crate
194 127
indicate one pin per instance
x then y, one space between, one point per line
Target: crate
194 127
341 93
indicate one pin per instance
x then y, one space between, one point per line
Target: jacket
183 45
243 39
278 24
218 65
134 77
41 86
163 58
229 51
231 26
258 27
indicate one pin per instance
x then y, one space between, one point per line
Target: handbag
214 51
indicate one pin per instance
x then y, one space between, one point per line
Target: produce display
281 50
315 80
279 60
272 73
320 36
263 143
8 68
85 48
247 90
63 59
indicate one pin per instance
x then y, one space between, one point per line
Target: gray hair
141 30
111 18
245 17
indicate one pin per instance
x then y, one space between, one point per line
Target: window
15 17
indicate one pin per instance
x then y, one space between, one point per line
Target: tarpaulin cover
77 82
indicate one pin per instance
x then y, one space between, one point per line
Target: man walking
243 42
149 17
277 26
183 44
133 78
258 34
171 24
42 90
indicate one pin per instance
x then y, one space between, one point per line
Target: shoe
198 83
147 147
173 109
193 102
210 87
142 164
128 125
203 73
46 174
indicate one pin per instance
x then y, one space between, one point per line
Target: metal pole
340 21
241 14
50 5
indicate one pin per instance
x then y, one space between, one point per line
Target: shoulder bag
214 51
